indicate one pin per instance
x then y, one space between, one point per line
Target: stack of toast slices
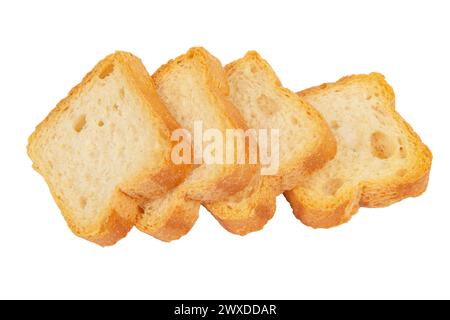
107 150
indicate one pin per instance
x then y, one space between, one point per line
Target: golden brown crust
370 197
325 151
262 214
259 207
374 76
178 223
323 217
253 55
383 195
250 209
147 187
121 219
378 193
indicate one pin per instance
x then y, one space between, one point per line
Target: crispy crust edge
180 221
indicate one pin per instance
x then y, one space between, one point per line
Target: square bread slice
306 142
380 159
194 88
105 144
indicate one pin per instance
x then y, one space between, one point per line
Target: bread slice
194 88
380 159
306 142
105 144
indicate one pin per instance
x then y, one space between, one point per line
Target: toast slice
380 159
306 142
104 145
195 89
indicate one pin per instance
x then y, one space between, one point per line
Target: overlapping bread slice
380 159
108 140
305 142
194 88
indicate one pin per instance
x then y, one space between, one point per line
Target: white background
397 252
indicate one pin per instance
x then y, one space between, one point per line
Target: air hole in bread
267 105
99 101
401 149
402 152
80 123
106 71
253 69
334 125
116 108
122 93
83 202
401 172
100 123
294 121
333 186
382 146
50 164
369 97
